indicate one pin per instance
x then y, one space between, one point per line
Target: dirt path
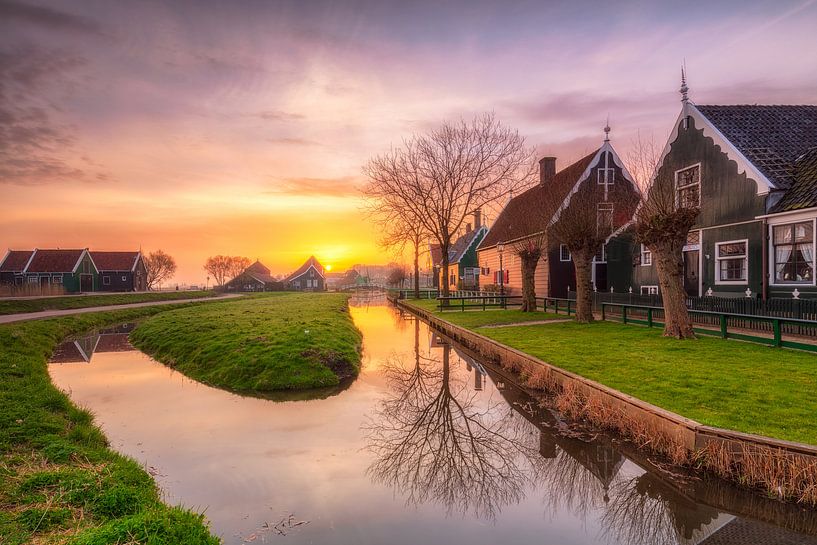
21 317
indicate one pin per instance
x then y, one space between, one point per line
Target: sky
242 127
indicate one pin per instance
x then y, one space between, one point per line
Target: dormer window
604 217
688 187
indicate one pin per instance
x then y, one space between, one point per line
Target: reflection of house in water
474 366
114 339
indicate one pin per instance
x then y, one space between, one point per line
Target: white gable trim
476 236
136 261
30 259
710 131
606 147
311 266
5 257
85 251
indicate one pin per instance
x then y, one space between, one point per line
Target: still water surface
427 445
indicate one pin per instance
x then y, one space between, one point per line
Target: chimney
477 219
467 228
547 169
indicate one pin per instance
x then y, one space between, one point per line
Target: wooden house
256 277
308 277
752 170
74 270
13 266
463 265
529 214
120 271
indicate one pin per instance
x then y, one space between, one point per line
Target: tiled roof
311 262
803 191
16 260
525 214
115 261
54 261
261 277
771 137
461 245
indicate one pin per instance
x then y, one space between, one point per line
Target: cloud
294 141
276 115
47 17
343 186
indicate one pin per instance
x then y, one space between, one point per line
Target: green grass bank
270 342
728 384
59 481
17 306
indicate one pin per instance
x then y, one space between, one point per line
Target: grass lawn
728 384
478 318
16 306
271 342
59 482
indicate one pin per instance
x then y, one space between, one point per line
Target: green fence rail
654 316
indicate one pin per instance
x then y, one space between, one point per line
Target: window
124 278
649 290
32 279
106 280
688 187
606 176
564 253
732 262
56 279
693 241
604 219
486 271
452 279
646 256
793 253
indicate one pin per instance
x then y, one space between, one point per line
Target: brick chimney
477 219
547 169
467 228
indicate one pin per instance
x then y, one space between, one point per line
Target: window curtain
808 255
782 254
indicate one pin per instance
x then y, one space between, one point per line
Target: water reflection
427 445
433 442
82 349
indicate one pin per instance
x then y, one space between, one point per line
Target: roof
258 267
771 137
54 261
524 215
311 262
16 260
461 245
803 191
261 277
115 261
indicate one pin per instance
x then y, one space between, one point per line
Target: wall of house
620 263
140 282
119 281
300 283
489 259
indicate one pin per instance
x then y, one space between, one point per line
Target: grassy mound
16 306
273 342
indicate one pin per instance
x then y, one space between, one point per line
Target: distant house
120 271
526 216
74 270
752 170
13 265
256 277
463 266
308 277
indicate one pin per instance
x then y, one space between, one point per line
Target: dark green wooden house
74 270
752 170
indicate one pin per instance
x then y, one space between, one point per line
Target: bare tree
529 250
224 268
662 223
396 276
399 231
160 267
583 222
443 176
237 265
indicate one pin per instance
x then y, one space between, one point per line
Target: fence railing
476 302
727 325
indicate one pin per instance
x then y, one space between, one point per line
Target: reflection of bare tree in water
433 444
643 510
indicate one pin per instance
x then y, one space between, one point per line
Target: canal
427 445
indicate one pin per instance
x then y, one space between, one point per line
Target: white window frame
56 279
606 176
646 256
603 254
651 290
562 250
106 280
612 211
124 278
718 260
771 257
698 183
33 280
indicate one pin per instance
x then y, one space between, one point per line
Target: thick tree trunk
416 270
529 282
670 265
444 289
583 261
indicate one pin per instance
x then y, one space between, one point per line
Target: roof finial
607 129
684 89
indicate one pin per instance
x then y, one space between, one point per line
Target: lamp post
501 249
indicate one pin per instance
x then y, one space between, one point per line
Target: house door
86 282
600 276
691 272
